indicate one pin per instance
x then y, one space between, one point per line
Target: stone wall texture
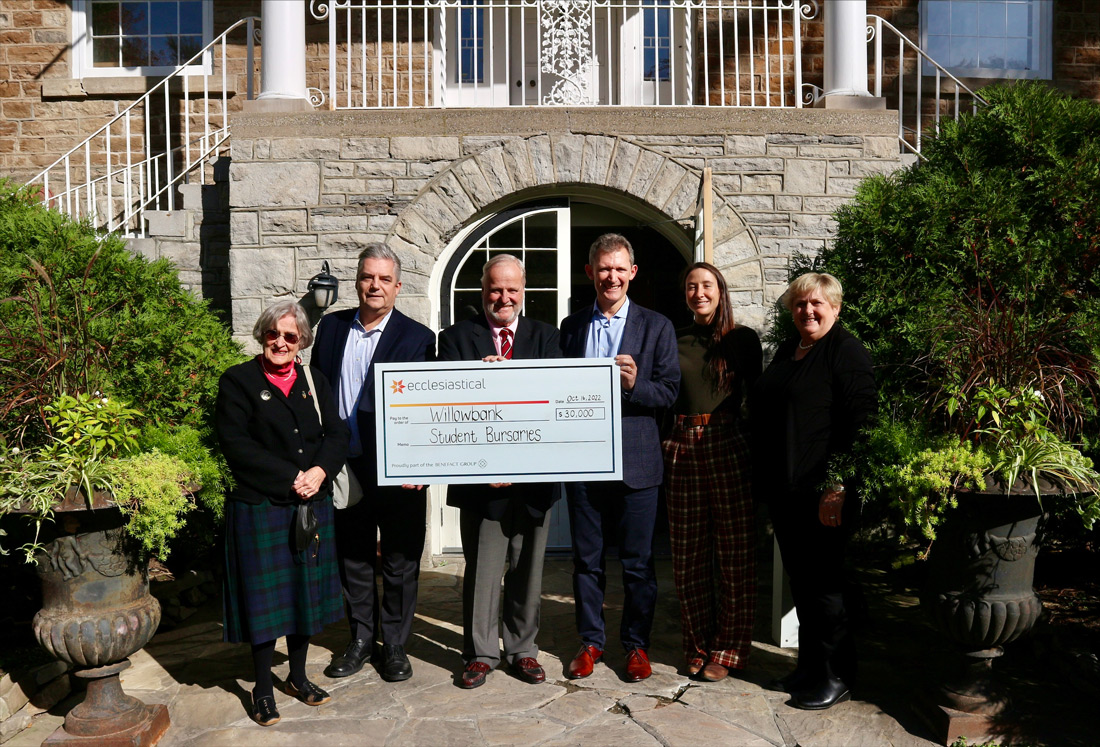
298 200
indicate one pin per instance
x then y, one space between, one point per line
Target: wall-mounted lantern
324 287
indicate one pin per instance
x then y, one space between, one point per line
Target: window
657 41
147 37
471 61
988 38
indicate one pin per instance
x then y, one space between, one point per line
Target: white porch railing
919 109
462 53
169 136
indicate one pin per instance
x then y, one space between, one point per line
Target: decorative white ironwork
567 51
316 97
410 54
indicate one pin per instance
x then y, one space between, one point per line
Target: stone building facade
310 187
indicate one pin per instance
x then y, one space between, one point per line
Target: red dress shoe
474 675
529 670
583 662
637 665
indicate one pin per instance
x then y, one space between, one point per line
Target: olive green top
699 393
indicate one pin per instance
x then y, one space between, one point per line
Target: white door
476 43
654 54
539 236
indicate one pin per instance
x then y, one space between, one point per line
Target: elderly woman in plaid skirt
707 480
283 439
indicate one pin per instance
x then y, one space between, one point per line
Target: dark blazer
650 338
472 340
804 414
403 341
267 441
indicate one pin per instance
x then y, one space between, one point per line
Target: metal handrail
149 181
910 136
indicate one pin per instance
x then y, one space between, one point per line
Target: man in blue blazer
348 345
504 527
643 344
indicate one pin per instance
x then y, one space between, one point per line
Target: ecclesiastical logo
398 386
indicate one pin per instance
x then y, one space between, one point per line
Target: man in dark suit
348 345
643 344
501 524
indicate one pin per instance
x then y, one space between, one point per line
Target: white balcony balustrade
465 53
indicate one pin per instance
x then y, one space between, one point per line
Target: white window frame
83 67
1042 34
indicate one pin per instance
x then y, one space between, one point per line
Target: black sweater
803 413
267 438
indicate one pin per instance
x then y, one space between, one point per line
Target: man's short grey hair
609 242
270 317
493 262
378 250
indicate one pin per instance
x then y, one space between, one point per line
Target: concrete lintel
276 106
839 102
253 123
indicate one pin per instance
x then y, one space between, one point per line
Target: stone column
283 57
846 57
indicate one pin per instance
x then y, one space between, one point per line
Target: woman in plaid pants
707 480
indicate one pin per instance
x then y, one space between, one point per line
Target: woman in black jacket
284 441
807 408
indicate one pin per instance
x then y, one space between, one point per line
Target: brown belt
692 421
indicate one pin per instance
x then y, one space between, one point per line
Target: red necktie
506 342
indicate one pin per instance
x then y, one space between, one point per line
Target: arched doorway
552 237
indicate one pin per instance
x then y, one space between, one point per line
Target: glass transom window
988 38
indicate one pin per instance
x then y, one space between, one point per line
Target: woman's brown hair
721 324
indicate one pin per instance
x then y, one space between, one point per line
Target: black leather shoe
826 695
351 661
395 665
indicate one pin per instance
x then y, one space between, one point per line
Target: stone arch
501 175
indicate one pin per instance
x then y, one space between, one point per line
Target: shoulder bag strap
313 391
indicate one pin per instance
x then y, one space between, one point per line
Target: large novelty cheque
512 421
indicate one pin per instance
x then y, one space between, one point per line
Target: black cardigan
803 413
267 438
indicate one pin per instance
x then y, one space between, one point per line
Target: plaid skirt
271 590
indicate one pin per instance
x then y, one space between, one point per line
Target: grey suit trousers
513 547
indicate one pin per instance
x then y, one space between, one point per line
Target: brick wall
1077 47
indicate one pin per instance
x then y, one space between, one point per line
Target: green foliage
80 316
90 426
80 313
193 448
983 261
148 489
33 483
974 279
918 473
95 451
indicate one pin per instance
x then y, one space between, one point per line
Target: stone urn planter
979 594
96 611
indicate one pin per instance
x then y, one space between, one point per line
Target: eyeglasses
272 335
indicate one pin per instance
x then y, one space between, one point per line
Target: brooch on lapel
265 395
305 394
